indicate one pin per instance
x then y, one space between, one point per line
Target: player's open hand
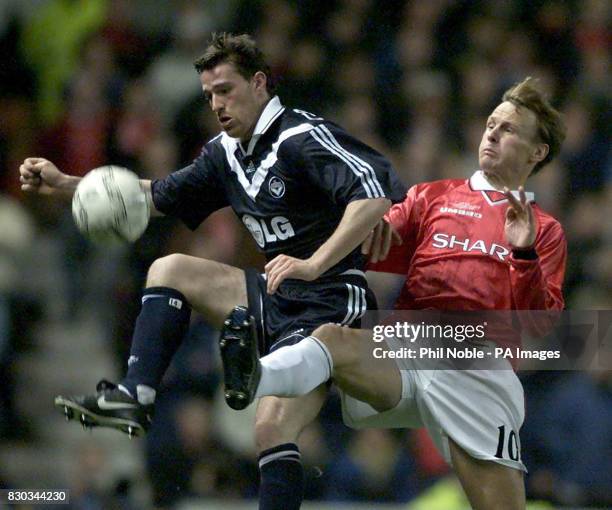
520 226
379 241
39 175
284 266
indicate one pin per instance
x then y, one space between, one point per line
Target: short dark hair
550 125
240 50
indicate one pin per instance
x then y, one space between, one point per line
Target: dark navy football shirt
289 186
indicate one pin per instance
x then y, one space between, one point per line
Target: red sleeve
536 284
402 218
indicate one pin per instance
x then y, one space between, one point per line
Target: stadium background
88 82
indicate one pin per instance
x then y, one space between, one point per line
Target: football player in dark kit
309 194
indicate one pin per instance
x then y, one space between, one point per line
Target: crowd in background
90 82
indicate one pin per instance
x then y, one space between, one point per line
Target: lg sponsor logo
278 229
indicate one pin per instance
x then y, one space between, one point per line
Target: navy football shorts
298 307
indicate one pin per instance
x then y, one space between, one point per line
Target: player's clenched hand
379 241
39 175
520 226
284 266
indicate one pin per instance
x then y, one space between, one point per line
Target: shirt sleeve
404 218
191 193
536 284
346 169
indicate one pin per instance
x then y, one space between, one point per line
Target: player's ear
540 152
260 80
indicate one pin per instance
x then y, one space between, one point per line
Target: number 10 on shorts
510 448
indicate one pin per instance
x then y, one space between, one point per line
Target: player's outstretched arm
360 217
41 176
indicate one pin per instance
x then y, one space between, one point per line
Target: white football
110 206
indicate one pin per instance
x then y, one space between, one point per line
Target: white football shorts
481 410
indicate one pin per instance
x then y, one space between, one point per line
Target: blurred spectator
345 26
16 243
374 468
138 126
171 74
359 115
585 235
93 486
129 46
554 31
575 416
16 138
52 42
79 140
587 150
353 74
277 25
304 82
186 459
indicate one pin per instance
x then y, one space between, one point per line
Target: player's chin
232 130
487 164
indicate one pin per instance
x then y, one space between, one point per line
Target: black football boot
109 407
240 356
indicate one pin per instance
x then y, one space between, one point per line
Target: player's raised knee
327 332
168 271
341 342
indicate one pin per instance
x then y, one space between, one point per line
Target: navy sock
158 332
282 478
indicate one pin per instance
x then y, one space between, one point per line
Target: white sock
146 394
295 369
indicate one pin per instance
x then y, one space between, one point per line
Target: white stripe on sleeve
364 165
318 136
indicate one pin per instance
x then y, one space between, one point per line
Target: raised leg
175 284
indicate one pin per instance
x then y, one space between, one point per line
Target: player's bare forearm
359 218
68 185
41 176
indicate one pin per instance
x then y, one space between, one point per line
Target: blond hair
550 126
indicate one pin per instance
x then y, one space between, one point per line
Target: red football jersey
455 255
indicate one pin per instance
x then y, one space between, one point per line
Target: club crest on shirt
276 187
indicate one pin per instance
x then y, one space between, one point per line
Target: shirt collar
269 114
479 182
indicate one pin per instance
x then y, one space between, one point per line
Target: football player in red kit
448 226
467 245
